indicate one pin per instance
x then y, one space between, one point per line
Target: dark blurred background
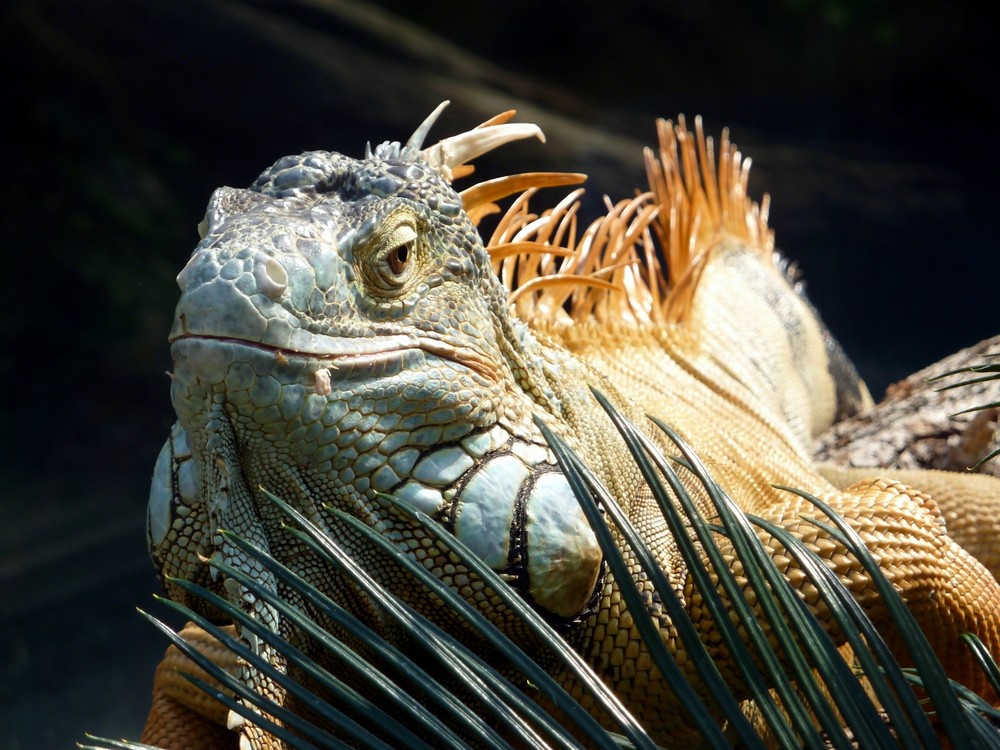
869 122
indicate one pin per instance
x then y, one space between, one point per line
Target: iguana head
340 334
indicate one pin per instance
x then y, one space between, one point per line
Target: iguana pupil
398 259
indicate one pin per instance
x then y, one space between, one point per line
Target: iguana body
342 332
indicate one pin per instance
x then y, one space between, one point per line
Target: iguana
343 331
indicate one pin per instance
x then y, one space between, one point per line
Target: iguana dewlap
342 331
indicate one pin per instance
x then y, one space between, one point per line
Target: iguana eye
396 264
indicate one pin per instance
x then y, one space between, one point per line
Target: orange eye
397 254
398 259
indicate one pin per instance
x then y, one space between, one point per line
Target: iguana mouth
354 356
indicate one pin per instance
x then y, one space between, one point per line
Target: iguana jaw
501 494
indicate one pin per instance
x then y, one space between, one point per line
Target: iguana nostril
272 278
184 277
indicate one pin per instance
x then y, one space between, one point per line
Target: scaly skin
342 332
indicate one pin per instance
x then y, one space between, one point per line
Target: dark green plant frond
990 368
983 373
986 662
796 630
440 691
106 744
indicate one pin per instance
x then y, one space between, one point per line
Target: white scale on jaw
323 382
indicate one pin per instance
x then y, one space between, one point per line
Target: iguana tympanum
344 331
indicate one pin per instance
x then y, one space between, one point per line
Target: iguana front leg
969 504
947 590
927 432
